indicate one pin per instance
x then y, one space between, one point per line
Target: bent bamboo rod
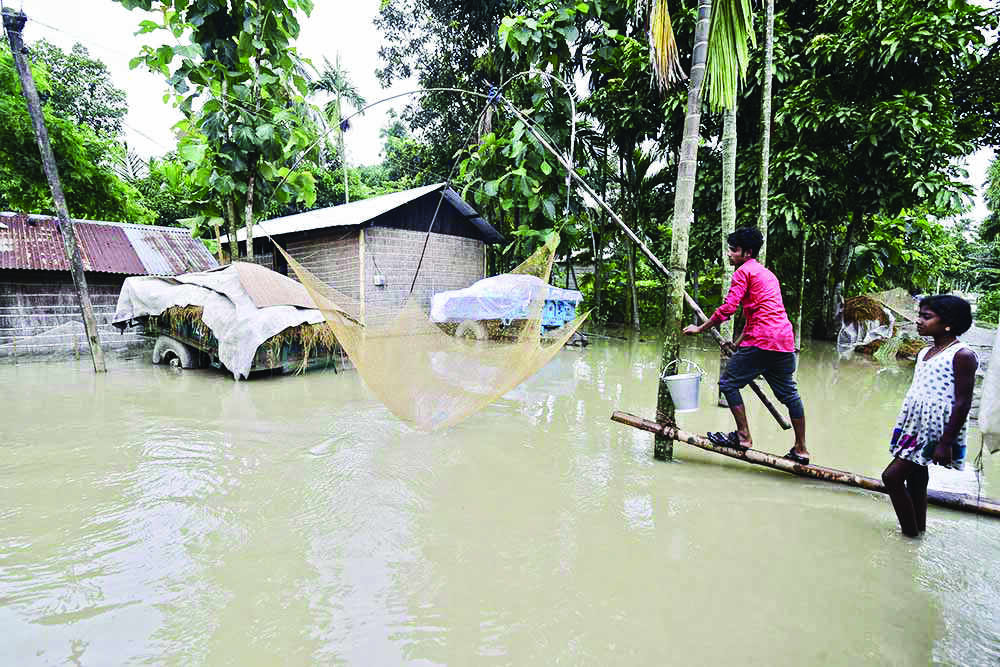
958 501
780 418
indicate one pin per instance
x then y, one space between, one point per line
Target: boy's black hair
747 239
953 311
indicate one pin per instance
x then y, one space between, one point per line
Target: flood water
176 517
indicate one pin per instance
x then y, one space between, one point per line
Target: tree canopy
85 153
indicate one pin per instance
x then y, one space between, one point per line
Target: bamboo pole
959 501
654 260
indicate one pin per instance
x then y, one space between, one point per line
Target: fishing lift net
425 374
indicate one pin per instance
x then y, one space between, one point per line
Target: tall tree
869 121
250 122
765 126
334 80
84 158
444 44
728 222
720 63
80 87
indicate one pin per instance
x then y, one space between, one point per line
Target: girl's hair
746 239
953 311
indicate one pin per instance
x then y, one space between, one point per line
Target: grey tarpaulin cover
244 305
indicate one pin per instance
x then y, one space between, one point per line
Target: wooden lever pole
654 260
958 501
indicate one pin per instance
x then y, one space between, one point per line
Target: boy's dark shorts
777 368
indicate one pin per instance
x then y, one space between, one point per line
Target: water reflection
162 516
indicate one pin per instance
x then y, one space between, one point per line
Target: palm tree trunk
633 295
683 217
232 222
343 151
248 211
802 290
728 223
765 142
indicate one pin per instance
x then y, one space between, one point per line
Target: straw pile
905 347
864 309
310 337
177 316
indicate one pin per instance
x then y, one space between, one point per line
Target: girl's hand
942 453
692 329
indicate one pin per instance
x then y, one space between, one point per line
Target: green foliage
990 229
988 307
80 88
84 158
236 60
875 105
911 250
168 192
443 43
405 160
730 38
335 81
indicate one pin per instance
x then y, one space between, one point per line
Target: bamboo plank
959 501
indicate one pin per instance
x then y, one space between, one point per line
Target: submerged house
39 310
369 249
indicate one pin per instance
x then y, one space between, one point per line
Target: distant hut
369 249
39 310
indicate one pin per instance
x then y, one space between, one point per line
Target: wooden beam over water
959 501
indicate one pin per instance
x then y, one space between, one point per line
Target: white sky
343 26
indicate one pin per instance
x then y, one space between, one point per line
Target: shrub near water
988 307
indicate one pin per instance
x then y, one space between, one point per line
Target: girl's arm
964 366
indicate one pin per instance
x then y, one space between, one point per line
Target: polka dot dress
927 408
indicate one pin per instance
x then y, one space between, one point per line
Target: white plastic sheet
854 334
503 297
989 404
229 312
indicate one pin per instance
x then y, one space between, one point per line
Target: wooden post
958 501
13 23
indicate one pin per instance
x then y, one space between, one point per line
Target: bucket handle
676 361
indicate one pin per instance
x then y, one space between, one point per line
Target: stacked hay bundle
901 345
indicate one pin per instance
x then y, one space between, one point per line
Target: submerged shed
369 249
39 312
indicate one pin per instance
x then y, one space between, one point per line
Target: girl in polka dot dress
931 425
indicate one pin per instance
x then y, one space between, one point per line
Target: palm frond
663 46
729 40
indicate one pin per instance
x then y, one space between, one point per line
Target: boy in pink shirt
766 346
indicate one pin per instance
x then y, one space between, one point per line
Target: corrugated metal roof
359 212
168 252
34 242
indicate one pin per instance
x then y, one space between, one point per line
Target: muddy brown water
176 517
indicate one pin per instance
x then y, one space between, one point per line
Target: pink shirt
758 291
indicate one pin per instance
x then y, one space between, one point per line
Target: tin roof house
369 249
39 311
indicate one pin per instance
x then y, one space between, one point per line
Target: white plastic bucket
684 387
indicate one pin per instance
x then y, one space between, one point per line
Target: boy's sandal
795 456
731 439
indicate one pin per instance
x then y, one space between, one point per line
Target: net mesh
899 301
419 369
